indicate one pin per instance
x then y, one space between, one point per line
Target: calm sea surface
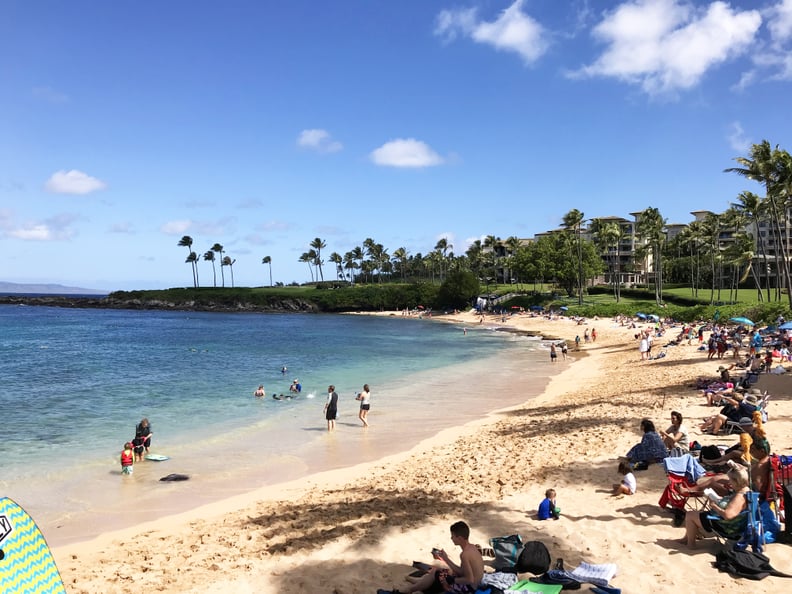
75 382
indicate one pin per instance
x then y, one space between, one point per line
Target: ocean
75 382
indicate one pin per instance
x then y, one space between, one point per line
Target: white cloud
318 140
73 182
405 152
38 232
779 21
176 227
512 31
737 139
667 45
58 227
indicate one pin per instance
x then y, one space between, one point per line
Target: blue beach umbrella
563 308
640 316
785 326
745 321
537 307
654 317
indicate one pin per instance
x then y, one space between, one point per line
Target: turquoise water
75 383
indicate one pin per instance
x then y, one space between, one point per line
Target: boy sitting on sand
548 508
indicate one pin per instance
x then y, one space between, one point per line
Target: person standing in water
260 393
365 405
142 439
331 407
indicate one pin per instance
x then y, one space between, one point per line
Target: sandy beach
360 528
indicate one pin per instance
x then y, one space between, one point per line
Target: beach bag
747 564
507 550
534 558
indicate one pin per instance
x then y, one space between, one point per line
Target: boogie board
26 564
157 457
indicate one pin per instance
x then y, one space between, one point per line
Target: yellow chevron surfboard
26 564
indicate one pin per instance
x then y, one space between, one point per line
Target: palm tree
227 261
192 259
210 257
512 244
400 257
751 207
187 242
442 246
767 166
318 245
651 227
573 221
336 259
349 265
309 258
219 249
268 260
608 236
358 255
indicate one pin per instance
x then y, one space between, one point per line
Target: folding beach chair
746 530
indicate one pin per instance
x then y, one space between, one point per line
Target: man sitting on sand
464 578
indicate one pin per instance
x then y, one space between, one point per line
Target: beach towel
599 575
685 465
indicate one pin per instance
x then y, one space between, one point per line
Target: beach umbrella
640 316
785 326
654 317
540 308
745 321
563 308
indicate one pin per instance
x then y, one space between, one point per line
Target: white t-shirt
630 482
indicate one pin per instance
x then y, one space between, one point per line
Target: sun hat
752 399
756 391
722 368
745 421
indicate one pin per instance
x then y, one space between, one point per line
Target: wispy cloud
737 138
124 228
512 31
405 152
49 95
669 45
318 140
176 227
73 182
55 228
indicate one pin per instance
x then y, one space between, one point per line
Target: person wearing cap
736 408
296 387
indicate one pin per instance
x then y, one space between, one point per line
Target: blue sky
261 125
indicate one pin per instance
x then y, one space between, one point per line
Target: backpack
747 564
534 558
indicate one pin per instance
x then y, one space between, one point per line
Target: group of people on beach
134 450
294 389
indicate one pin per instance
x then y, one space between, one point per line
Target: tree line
718 252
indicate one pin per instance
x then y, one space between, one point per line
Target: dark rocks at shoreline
282 305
